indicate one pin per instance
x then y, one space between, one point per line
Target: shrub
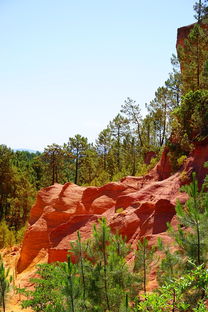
181 160
119 210
7 237
190 119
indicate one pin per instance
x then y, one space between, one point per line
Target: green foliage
193 242
133 113
194 108
49 288
17 192
193 57
159 110
78 147
5 282
54 159
143 258
174 83
7 236
119 126
181 294
101 179
100 279
119 210
181 160
171 265
107 274
201 11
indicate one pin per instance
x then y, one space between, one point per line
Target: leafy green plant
184 178
48 294
119 210
181 160
193 216
143 258
5 281
186 294
98 281
193 108
7 236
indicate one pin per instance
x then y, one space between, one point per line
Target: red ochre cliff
135 206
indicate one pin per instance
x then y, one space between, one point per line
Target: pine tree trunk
118 150
76 168
105 269
174 300
82 267
139 135
3 302
104 158
127 303
53 169
198 245
144 268
198 64
71 293
164 124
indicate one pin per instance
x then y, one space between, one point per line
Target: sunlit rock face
135 207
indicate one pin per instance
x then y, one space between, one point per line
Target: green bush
190 119
101 284
7 237
119 210
181 160
10 237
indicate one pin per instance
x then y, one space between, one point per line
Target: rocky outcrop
182 34
135 206
163 169
196 161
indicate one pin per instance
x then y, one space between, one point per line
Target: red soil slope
135 206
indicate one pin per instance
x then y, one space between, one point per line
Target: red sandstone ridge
135 206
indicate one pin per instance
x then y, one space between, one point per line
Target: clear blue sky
66 66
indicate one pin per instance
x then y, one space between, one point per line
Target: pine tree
54 157
119 127
103 144
193 58
77 146
143 259
5 282
70 286
192 231
170 268
133 113
107 280
159 110
201 9
51 290
173 83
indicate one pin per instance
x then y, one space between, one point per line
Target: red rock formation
163 169
183 33
135 206
196 161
